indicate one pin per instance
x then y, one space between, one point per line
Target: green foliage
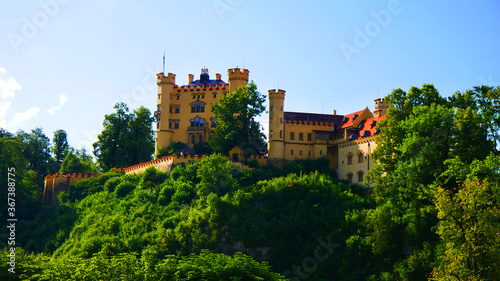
36 150
127 138
130 266
78 162
151 179
468 226
174 148
86 187
235 118
202 148
60 147
216 175
123 188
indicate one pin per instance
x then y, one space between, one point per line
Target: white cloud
62 100
20 117
8 88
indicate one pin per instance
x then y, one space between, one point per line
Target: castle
184 114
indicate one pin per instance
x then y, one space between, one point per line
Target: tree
36 150
127 138
420 134
78 162
60 146
469 226
236 125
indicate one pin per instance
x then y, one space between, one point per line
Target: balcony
198 128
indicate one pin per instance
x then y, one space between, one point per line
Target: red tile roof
367 129
348 123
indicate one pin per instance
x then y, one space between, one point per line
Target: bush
124 188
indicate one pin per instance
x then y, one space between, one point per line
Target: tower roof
205 79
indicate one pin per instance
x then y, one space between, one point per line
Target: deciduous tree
235 115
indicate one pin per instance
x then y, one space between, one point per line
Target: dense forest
433 212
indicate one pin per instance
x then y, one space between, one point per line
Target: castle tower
381 106
276 154
237 78
164 131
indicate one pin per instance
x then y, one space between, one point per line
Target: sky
64 64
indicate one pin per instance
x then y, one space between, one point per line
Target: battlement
163 164
381 106
162 79
237 74
205 87
276 94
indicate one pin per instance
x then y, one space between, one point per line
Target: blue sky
65 63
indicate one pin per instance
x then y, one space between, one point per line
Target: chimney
217 76
191 77
334 112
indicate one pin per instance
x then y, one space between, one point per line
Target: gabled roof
349 119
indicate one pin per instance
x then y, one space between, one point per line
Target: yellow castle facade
184 113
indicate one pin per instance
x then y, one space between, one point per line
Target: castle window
309 153
270 120
301 137
157 123
200 138
177 97
281 120
158 108
170 123
271 134
281 134
349 178
360 176
321 152
176 124
292 136
349 159
202 96
360 158
170 109
193 139
197 122
300 152
198 107
309 137
281 108
271 109
291 152
177 109
215 95
213 123
159 96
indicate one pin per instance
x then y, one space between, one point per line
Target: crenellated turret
166 85
237 78
276 127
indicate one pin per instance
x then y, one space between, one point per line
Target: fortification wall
56 183
163 164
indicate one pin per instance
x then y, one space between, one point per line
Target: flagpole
163 63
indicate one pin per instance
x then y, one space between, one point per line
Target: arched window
360 157
213 123
198 107
349 178
193 139
360 176
197 122
200 138
349 158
